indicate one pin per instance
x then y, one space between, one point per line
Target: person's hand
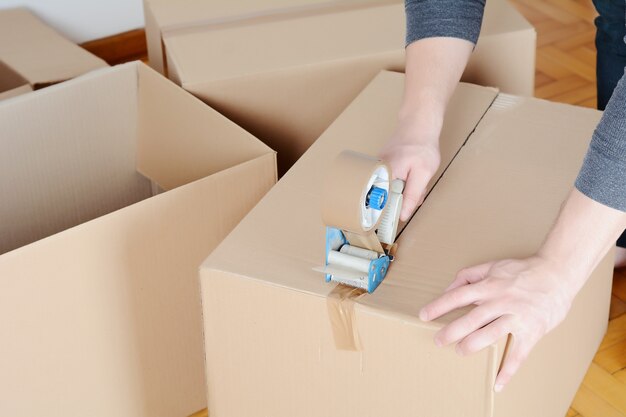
413 156
524 298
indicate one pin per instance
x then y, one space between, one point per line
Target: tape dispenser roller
361 210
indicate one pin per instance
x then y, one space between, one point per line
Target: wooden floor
565 73
565 49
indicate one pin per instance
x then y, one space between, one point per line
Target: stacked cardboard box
169 16
113 188
285 74
33 55
271 322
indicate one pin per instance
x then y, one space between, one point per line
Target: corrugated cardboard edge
156 49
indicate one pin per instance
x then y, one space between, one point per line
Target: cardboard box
285 79
504 56
37 54
102 315
167 16
269 340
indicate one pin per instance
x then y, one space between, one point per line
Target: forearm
433 69
440 36
603 174
583 233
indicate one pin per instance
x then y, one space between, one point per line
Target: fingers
414 191
451 300
485 336
512 361
469 324
470 275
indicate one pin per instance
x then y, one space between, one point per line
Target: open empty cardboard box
34 55
114 187
286 77
271 323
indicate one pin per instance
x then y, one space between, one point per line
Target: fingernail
423 315
498 387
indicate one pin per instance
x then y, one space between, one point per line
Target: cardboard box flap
41 55
501 17
263 47
283 237
210 143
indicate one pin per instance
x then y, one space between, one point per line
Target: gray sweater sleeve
443 18
603 174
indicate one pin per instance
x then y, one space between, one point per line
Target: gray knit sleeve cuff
603 174
443 18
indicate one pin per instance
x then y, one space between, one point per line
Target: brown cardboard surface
38 53
286 78
504 56
497 198
289 93
11 83
104 318
172 15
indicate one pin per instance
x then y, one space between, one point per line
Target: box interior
102 142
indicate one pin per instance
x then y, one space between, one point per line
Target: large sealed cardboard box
286 78
272 323
123 182
34 55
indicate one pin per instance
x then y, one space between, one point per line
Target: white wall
85 20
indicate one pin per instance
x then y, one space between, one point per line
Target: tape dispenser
361 210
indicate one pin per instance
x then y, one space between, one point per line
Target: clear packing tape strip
340 305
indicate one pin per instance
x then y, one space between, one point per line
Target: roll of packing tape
347 184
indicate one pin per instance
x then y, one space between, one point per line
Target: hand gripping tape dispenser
361 210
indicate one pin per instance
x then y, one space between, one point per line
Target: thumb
470 275
413 194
